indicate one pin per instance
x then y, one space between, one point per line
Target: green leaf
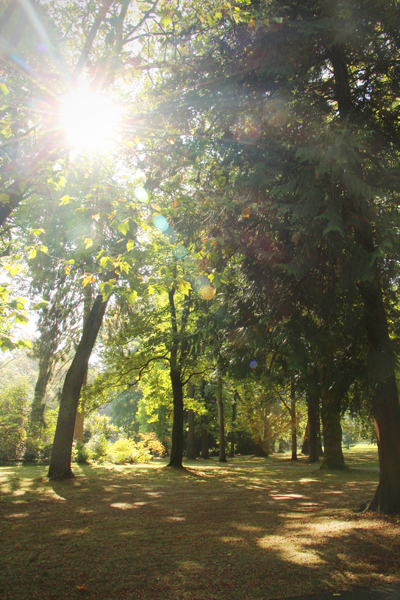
4 88
4 198
131 296
36 231
124 227
129 246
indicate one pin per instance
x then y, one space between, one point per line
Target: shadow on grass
207 532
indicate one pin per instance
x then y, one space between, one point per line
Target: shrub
150 443
97 447
80 453
126 451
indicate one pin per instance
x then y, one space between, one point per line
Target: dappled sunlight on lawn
244 533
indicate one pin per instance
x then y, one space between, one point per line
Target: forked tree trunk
176 455
293 421
191 447
333 455
60 463
222 454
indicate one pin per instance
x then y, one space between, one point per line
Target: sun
90 121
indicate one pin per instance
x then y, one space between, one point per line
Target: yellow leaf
129 246
201 18
88 278
64 200
266 22
184 287
67 269
82 588
252 23
4 88
96 217
32 253
88 243
43 249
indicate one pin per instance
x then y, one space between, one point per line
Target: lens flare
90 121
141 194
253 364
180 252
160 222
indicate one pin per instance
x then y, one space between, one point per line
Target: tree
311 151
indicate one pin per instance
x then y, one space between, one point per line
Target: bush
126 451
150 443
80 453
97 447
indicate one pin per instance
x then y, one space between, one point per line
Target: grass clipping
251 529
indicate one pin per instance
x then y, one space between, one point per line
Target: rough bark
221 424
293 421
333 455
191 447
60 464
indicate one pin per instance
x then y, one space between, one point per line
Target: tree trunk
222 455
293 421
36 418
60 464
232 433
176 455
191 447
204 433
333 455
385 401
79 426
80 415
313 425
305 449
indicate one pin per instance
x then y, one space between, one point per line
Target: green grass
252 529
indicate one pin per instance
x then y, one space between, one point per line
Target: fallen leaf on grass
82 588
16 547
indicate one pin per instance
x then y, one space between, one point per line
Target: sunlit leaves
184 287
88 278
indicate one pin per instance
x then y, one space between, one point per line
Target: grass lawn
252 529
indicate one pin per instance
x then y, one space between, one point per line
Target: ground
251 529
